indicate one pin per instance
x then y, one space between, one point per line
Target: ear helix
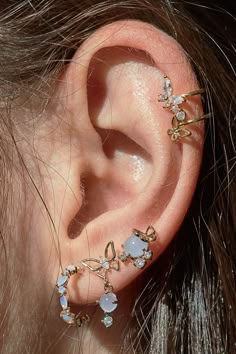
136 248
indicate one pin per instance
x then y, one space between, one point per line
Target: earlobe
133 174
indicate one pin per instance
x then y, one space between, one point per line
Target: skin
105 130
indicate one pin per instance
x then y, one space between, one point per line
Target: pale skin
106 130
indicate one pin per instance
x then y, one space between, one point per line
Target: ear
132 174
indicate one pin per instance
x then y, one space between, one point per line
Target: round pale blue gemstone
62 280
135 247
108 302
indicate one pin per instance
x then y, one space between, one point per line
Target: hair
188 305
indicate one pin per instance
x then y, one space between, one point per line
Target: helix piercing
136 247
173 102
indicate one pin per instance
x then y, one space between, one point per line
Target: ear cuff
173 103
136 248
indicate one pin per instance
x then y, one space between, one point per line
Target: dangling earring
173 102
136 247
108 302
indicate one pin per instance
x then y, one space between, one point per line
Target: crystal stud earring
136 247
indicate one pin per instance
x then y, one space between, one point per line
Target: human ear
132 174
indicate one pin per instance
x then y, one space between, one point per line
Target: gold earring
136 247
70 318
173 102
108 302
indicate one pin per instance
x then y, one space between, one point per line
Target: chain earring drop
136 247
173 102
108 302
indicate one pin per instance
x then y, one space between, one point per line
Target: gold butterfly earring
173 102
108 302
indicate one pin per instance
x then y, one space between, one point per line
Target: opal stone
63 302
135 247
108 302
62 280
68 318
61 290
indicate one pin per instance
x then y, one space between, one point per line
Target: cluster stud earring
173 103
136 247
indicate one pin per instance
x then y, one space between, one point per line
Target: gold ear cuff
173 103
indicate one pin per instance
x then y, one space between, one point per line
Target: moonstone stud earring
136 247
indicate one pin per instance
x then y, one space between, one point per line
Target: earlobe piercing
136 247
173 102
66 314
108 302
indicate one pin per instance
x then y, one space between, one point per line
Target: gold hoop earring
70 318
173 102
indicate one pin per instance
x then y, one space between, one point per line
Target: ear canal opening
129 171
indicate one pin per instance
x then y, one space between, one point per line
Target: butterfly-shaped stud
170 101
102 265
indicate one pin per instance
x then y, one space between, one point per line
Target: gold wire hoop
173 102
70 318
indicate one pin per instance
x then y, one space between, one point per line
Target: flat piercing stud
136 247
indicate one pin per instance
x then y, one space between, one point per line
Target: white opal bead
108 302
134 246
62 280
63 302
